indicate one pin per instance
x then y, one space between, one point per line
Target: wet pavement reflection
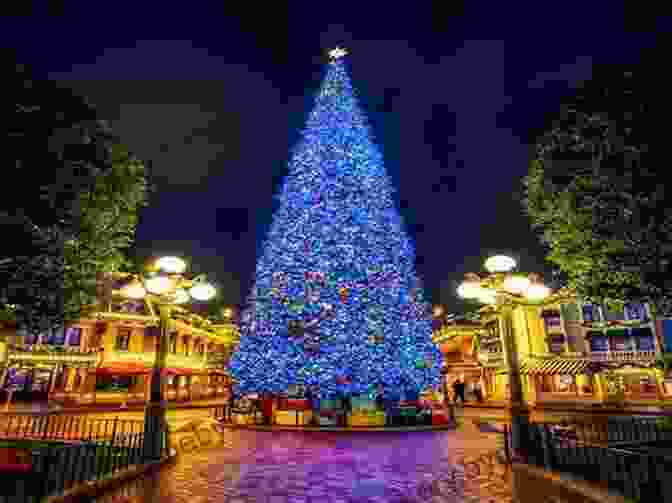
278 467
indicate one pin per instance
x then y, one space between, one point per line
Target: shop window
598 342
113 383
172 343
591 313
74 336
635 311
552 320
56 337
556 344
123 339
186 346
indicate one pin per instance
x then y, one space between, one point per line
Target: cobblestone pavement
322 467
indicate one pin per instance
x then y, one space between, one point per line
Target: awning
125 370
555 366
128 370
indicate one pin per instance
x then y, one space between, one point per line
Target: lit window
123 339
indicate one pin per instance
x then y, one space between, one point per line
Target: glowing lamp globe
181 296
202 291
469 289
438 311
159 285
500 263
537 292
228 312
516 284
172 265
134 290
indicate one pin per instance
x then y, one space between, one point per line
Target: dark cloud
571 74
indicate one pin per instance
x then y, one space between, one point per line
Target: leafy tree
56 152
108 218
595 190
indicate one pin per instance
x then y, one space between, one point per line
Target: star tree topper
337 53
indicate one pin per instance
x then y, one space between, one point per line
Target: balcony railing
491 357
147 359
45 354
623 356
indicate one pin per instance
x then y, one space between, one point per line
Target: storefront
557 379
630 382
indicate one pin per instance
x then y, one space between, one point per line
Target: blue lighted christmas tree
336 302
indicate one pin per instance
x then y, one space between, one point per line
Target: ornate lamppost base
155 429
520 431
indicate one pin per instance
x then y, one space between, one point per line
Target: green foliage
108 218
57 152
593 192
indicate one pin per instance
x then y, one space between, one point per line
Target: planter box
376 418
289 417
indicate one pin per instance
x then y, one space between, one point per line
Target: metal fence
633 457
56 468
66 451
64 427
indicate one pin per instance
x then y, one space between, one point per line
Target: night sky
215 100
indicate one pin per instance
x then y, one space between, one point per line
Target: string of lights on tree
336 303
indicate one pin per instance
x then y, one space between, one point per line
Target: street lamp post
166 286
505 290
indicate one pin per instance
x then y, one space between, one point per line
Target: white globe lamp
202 291
171 265
500 263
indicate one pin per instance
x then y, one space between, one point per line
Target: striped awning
554 366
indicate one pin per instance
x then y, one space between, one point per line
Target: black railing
66 451
55 468
64 427
633 457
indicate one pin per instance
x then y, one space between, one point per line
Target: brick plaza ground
325 467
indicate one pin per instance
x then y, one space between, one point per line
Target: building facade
107 357
568 351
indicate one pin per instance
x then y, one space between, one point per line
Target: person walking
478 393
458 388
228 416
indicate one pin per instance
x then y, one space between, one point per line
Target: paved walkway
326 467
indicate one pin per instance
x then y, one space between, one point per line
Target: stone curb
87 490
362 429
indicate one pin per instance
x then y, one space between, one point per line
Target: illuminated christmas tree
336 301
